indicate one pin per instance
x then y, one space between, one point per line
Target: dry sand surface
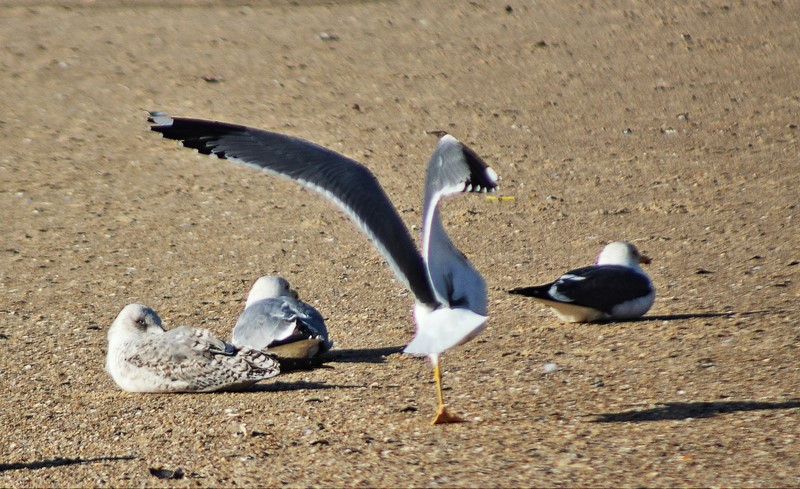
670 124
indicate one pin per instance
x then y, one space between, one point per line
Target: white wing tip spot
492 175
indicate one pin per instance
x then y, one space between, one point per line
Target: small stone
327 36
162 473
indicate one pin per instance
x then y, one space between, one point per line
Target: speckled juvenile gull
614 288
143 357
275 320
450 295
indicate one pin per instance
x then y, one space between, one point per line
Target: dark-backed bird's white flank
143 357
450 295
275 320
614 288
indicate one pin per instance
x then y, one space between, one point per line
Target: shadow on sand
686 410
693 315
58 462
299 385
675 317
358 355
361 355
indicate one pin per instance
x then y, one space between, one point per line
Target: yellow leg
442 414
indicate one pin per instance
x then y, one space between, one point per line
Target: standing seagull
275 320
614 288
143 357
450 295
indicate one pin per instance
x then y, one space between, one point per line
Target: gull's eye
141 323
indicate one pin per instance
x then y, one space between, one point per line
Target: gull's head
455 168
482 177
269 286
621 253
135 321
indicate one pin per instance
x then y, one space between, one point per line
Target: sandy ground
672 124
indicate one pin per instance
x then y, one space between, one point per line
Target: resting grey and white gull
614 288
274 319
450 295
143 357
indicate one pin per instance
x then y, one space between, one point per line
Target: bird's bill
644 259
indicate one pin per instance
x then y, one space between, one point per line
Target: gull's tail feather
443 329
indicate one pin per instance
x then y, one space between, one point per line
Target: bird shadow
362 355
299 385
687 410
302 364
675 317
693 315
58 462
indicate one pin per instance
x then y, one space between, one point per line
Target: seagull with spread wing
450 295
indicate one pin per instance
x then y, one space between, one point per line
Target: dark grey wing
535 291
349 184
600 287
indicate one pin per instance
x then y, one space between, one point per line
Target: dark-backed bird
615 287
